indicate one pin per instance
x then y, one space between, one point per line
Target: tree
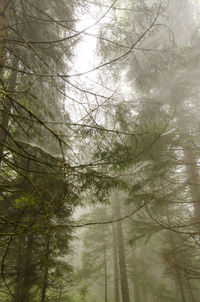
96 254
121 249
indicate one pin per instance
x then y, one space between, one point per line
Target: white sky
85 52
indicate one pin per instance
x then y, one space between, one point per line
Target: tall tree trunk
28 268
176 287
181 287
19 269
105 269
136 285
115 263
121 251
6 110
46 271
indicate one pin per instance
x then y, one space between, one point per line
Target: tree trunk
105 270
115 264
121 251
180 283
28 269
46 271
19 268
136 285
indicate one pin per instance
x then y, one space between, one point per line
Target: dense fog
99 150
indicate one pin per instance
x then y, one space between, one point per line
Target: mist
99 151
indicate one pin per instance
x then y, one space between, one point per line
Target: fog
99 151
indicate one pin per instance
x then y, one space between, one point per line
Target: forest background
111 130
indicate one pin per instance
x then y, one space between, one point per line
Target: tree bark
28 269
46 271
136 285
19 268
105 269
144 294
121 251
115 264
